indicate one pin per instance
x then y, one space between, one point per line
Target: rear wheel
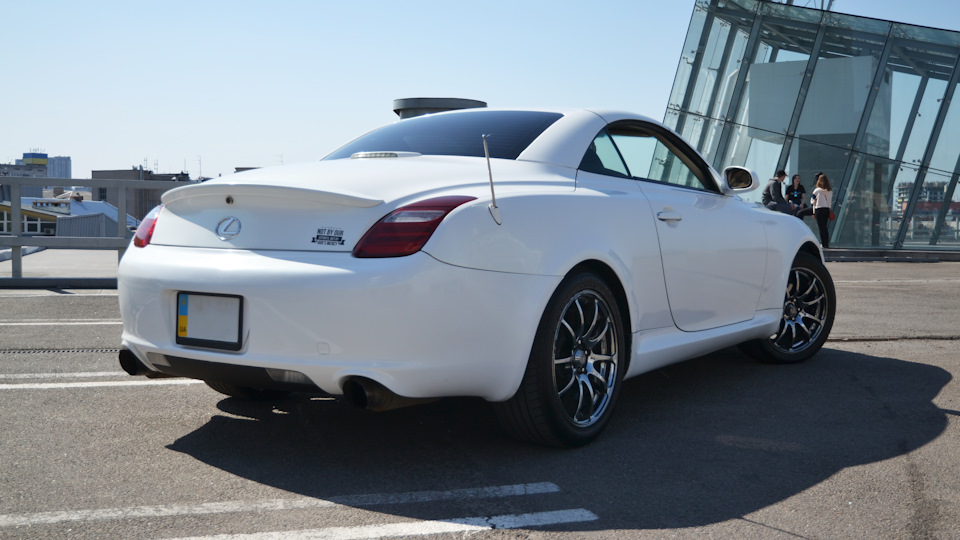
573 375
809 306
244 392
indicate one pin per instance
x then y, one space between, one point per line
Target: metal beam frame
729 119
947 197
717 84
858 139
801 98
695 67
928 155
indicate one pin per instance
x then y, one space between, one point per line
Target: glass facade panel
906 93
874 108
789 35
922 223
948 233
710 66
847 63
689 55
948 143
707 73
868 217
709 139
923 125
755 153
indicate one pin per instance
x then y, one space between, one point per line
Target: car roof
564 142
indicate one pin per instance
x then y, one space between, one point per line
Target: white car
534 258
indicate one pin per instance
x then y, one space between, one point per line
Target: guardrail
17 240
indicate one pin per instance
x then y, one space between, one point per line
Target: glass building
867 102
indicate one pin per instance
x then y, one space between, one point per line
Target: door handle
669 217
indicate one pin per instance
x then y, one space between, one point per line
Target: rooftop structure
140 201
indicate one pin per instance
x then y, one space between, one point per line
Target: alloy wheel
804 312
586 358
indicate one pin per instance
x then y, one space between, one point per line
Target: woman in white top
821 200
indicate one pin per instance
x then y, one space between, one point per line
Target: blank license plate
209 320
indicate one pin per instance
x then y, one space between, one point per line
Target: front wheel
575 368
809 306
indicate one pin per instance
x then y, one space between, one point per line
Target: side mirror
739 180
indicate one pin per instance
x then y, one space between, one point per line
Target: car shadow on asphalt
696 443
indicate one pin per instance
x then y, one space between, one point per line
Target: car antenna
494 210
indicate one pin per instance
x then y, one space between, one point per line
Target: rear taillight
405 230
145 230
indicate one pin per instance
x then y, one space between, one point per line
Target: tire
809 307
245 392
575 368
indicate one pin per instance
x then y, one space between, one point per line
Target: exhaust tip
355 394
130 363
367 394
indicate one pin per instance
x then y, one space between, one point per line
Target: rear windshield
459 134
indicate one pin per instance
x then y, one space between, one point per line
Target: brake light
405 230
145 230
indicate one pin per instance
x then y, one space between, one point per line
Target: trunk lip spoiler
270 190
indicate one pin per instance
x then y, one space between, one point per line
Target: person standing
822 201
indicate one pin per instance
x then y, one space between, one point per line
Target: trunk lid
321 206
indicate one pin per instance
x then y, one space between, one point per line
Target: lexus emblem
228 228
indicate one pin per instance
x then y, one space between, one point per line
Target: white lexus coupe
534 258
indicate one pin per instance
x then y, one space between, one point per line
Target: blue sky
206 86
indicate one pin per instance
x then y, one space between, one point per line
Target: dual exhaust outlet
359 392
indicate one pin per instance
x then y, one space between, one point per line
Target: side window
603 157
651 155
671 168
639 150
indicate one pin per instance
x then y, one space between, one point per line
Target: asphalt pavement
862 441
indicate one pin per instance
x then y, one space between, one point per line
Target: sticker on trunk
328 236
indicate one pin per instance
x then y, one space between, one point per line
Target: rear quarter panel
550 234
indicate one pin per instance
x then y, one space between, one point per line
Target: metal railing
17 240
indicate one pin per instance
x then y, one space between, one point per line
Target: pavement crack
926 512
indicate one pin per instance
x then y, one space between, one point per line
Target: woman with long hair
822 200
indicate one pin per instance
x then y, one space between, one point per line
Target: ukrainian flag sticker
182 316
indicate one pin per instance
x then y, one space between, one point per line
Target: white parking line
77 375
95 384
60 322
420 528
46 518
21 293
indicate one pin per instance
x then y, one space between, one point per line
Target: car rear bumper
419 327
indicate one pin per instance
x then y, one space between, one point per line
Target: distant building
929 200
34 221
33 158
67 215
33 165
60 167
139 201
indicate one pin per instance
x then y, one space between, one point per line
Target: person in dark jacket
772 195
796 193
